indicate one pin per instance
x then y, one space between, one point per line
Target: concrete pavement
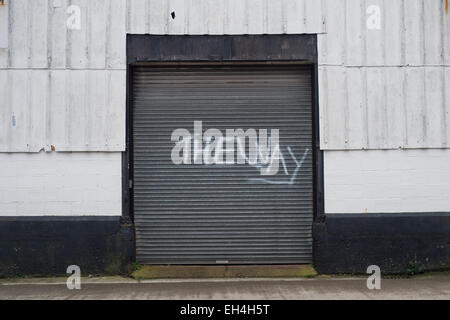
424 287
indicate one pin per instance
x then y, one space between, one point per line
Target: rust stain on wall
446 6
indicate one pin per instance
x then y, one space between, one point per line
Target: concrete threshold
224 272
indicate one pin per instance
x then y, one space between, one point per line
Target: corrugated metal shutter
208 214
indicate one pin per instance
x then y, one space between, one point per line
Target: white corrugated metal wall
379 89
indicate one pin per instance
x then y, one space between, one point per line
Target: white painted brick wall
60 184
65 184
391 181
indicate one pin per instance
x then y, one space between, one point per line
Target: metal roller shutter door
209 214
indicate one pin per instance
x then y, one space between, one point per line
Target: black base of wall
42 246
397 243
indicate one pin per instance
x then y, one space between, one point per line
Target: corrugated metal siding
384 108
62 110
201 213
385 89
412 45
65 90
225 17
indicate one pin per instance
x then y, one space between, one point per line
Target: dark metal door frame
168 50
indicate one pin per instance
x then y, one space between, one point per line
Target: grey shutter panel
208 214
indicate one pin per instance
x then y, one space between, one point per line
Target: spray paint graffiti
277 152
209 148
293 176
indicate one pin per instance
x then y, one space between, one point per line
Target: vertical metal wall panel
24 111
177 23
393 32
208 214
225 17
37 33
413 34
332 46
433 25
446 101
314 20
389 108
355 32
193 9
445 34
18 111
36 109
39 37
115 117
395 107
137 17
376 109
77 40
116 26
256 19
342 23
57 35
416 128
357 114
214 13
77 106
5 114
62 110
18 44
236 21
275 17
374 39
333 106
4 32
56 111
97 26
88 107
435 107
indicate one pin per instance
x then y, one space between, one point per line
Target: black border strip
220 48
58 218
398 243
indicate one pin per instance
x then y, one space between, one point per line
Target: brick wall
387 181
65 184
60 184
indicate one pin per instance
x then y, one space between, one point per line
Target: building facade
91 91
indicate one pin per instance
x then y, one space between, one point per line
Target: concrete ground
423 287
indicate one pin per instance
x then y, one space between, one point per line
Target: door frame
230 50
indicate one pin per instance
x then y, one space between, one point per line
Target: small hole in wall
173 14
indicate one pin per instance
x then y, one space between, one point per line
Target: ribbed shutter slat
208 214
